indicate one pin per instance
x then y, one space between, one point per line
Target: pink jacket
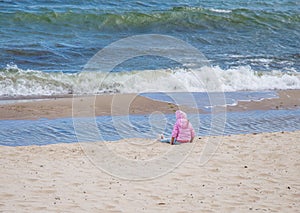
183 130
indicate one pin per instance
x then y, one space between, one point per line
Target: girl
183 131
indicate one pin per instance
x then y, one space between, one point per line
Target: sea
251 48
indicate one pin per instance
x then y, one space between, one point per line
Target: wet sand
120 104
85 106
287 99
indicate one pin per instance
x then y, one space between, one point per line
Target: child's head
180 115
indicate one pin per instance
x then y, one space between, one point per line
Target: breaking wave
16 82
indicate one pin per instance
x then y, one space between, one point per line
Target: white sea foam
220 10
18 82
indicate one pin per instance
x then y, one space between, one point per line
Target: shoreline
287 99
105 105
247 172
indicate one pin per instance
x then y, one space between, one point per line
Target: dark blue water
45 44
44 131
62 35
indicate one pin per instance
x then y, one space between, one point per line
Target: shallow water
45 131
206 101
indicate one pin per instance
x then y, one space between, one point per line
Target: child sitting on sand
183 131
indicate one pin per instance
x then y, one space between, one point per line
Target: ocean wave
192 17
17 82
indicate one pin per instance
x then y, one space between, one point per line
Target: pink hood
182 119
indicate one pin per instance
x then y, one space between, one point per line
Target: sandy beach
251 172
256 172
87 89
123 104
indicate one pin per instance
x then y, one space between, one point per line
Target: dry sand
248 173
120 104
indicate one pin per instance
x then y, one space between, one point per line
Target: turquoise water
62 36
